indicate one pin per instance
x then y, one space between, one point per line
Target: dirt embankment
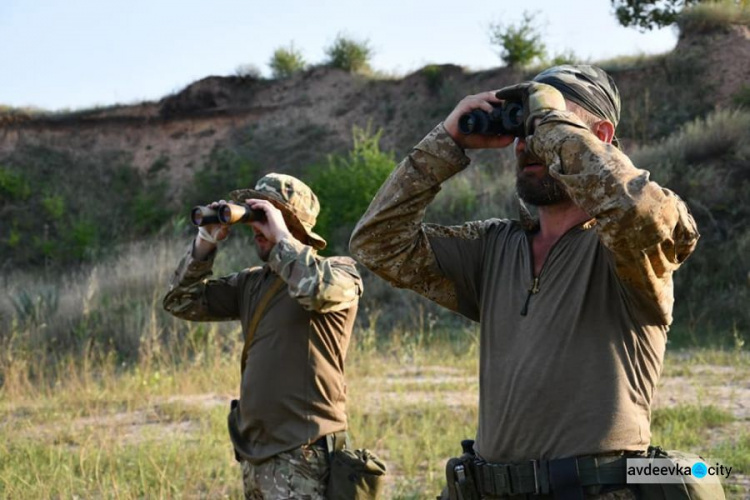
287 125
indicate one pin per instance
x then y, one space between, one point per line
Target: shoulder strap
259 310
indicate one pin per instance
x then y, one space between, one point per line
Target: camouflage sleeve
318 284
648 229
391 239
195 297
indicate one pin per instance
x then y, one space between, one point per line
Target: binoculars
225 213
505 119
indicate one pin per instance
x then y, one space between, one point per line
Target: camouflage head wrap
293 197
588 86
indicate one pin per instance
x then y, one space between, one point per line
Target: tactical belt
541 477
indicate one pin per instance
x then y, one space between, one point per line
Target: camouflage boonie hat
588 86
293 197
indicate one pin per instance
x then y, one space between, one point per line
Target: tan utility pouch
354 474
679 491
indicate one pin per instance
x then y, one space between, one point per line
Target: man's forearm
390 239
648 228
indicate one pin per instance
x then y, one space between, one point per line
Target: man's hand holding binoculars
215 219
272 226
487 102
494 119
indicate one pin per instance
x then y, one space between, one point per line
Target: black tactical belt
541 477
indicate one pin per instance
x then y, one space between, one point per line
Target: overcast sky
58 54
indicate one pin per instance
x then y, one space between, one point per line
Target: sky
76 54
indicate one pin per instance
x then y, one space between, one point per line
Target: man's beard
263 254
535 190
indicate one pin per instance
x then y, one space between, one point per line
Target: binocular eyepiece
505 119
225 213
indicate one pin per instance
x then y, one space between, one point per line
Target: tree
350 55
647 14
519 44
286 61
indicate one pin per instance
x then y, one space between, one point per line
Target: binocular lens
196 216
202 216
514 114
225 214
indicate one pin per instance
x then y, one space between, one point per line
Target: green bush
706 164
286 61
709 16
54 206
346 184
349 54
519 44
564 57
13 185
250 71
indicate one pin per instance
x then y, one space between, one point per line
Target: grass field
157 429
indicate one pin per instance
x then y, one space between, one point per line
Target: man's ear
604 130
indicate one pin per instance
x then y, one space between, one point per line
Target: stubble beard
263 253
538 191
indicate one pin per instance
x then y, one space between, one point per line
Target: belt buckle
535 465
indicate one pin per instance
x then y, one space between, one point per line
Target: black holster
460 474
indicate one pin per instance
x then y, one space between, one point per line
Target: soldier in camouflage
292 392
574 306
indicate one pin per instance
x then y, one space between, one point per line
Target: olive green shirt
569 359
292 390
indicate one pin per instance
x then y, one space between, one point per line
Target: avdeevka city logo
699 470
674 470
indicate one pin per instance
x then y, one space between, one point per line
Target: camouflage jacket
648 228
569 358
292 390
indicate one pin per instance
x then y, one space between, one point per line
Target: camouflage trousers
300 473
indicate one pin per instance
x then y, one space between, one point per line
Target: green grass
157 428
686 426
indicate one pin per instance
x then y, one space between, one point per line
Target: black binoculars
505 119
225 213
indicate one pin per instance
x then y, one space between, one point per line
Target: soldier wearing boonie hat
574 307
297 312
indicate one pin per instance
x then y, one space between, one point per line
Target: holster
460 474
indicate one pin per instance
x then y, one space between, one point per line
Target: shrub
706 164
519 44
248 71
286 61
13 185
349 54
347 183
564 57
706 17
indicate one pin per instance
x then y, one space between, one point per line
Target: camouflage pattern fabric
318 284
648 228
301 473
322 285
293 197
589 87
538 99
